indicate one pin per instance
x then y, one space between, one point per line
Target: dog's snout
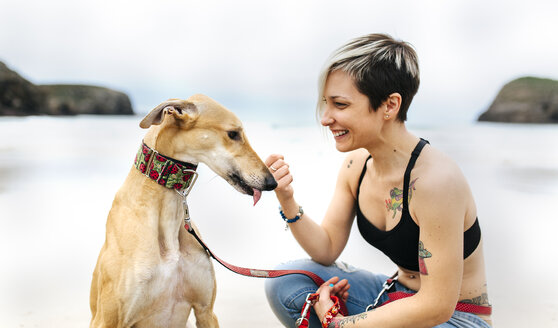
270 183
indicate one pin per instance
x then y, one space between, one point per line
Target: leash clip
184 193
388 284
187 219
309 302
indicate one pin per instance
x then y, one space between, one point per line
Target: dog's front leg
203 285
205 318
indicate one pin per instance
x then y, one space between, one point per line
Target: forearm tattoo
346 321
479 300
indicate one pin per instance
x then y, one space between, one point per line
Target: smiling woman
365 92
375 70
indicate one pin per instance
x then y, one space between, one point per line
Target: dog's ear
180 109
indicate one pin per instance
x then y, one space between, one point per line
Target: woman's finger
279 164
272 159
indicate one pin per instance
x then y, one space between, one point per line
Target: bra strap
362 176
414 155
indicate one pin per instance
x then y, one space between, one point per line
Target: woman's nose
326 118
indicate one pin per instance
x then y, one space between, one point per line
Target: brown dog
151 272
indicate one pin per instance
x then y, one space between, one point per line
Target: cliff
525 100
84 99
19 97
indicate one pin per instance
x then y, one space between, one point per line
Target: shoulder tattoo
395 201
423 253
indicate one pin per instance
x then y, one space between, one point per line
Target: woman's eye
340 105
234 135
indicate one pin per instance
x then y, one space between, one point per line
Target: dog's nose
270 183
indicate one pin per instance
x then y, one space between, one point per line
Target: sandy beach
58 177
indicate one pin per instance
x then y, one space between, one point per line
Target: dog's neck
166 171
167 206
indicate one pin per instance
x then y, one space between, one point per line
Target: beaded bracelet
331 313
293 220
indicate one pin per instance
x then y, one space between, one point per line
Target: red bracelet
331 313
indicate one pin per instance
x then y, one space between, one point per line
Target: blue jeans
286 295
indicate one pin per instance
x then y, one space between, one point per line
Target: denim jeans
286 295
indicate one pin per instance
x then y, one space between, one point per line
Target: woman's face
347 113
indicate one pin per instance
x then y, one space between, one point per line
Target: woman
410 200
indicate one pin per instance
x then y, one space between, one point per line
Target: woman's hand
339 289
280 170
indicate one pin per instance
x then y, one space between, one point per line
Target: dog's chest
177 277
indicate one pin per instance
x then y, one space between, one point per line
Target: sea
58 177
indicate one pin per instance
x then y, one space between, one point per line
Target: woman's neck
392 150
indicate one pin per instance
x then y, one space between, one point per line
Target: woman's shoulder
354 163
441 191
439 173
437 165
352 167
356 158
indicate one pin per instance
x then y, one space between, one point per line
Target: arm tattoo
395 201
479 300
350 163
345 321
423 254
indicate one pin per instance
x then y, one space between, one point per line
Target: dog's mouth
237 182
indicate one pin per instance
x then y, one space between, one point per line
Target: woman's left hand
339 289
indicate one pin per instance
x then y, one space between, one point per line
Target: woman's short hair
379 66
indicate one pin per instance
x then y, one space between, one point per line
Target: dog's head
201 130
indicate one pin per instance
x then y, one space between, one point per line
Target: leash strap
259 273
304 319
463 307
311 299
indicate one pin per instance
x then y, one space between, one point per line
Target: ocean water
58 177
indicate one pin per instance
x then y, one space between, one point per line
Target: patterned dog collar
167 172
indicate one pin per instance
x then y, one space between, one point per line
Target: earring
386 116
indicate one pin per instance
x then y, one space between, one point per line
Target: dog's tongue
257 196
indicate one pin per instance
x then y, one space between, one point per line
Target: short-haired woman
410 201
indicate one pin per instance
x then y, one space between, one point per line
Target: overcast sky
262 58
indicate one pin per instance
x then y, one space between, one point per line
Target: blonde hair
379 66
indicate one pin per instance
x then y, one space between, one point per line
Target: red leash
463 307
259 273
255 272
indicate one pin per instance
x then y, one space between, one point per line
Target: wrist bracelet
293 220
331 313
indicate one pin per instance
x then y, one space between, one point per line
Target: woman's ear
393 104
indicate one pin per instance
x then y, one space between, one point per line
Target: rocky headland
525 100
19 97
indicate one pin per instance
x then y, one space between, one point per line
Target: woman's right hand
280 171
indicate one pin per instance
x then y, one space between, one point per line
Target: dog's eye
234 135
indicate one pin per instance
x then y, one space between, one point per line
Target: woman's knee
287 294
286 288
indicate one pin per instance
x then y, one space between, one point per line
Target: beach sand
58 177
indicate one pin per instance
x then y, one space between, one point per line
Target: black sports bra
401 244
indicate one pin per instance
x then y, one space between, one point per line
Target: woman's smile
339 133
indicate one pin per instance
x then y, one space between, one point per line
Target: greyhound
151 272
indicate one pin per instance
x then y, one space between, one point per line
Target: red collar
166 171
